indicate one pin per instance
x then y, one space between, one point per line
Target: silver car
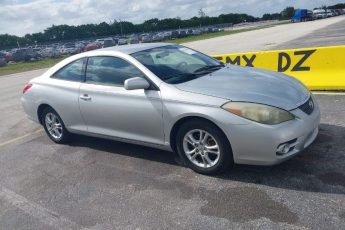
175 98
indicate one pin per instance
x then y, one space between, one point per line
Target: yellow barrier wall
320 68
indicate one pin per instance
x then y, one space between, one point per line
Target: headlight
258 112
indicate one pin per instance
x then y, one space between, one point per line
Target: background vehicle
91 46
8 57
145 38
80 46
2 59
24 54
108 42
302 15
100 42
69 48
134 39
319 13
182 33
50 52
122 41
330 13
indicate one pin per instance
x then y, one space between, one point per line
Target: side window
110 71
71 72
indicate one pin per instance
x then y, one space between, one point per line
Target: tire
201 154
58 133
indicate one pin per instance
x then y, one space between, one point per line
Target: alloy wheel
201 148
53 125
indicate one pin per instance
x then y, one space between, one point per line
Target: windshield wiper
174 79
183 77
209 68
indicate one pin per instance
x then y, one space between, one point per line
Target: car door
62 93
109 109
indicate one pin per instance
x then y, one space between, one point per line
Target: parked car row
322 13
70 48
29 53
302 15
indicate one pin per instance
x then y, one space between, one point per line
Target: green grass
26 66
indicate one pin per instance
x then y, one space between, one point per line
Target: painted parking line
20 138
35 210
328 93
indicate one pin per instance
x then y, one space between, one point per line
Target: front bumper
257 144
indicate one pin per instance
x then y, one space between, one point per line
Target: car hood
248 84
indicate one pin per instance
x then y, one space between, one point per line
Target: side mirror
136 83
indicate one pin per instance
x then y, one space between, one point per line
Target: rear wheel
204 147
54 126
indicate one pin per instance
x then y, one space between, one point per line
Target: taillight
27 87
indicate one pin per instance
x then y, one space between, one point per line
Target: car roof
133 48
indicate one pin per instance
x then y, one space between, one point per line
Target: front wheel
54 126
204 147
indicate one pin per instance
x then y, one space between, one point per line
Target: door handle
85 97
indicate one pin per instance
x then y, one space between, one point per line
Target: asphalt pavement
100 184
323 32
330 35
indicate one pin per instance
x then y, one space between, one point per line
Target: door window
110 71
71 72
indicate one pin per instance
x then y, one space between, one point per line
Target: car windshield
69 45
176 64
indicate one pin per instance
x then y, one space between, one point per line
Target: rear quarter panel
61 95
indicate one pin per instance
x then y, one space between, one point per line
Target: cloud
20 17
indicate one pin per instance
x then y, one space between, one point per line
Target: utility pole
201 13
121 26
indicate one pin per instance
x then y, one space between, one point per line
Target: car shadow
125 149
320 168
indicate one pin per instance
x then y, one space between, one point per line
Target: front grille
308 107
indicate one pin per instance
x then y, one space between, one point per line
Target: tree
288 12
57 33
274 16
201 13
324 7
337 6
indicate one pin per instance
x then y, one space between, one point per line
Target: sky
19 17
